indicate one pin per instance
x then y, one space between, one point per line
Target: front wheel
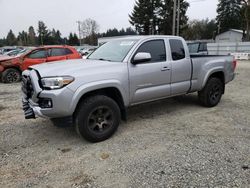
211 94
11 76
97 118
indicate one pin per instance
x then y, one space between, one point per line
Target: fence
228 48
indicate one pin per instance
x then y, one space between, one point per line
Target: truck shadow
165 106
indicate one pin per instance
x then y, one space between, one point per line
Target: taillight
234 64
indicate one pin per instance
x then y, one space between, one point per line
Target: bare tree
89 27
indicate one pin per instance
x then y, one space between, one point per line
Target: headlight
56 82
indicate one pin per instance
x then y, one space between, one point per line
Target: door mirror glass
141 57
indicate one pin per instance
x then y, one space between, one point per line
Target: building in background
232 35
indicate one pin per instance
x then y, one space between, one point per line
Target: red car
12 67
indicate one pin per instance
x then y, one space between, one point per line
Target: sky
18 15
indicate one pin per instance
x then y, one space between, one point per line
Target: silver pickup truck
96 92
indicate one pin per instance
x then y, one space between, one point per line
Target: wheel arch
112 92
215 74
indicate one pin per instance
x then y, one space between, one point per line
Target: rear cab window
177 49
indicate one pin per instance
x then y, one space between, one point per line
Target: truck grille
27 87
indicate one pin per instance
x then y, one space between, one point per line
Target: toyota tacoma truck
95 93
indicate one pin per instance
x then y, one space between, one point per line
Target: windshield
114 51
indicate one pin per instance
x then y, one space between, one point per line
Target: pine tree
31 36
166 16
156 16
22 38
43 33
73 40
142 16
200 29
11 39
229 15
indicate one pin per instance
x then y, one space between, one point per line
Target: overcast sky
18 15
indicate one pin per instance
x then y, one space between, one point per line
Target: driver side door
150 80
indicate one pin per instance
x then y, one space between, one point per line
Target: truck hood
76 68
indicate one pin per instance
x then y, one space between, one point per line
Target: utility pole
79 30
219 27
174 18
178 18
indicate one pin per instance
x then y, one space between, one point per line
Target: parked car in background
7 49
13 52
197 48
12 67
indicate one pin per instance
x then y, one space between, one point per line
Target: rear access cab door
181 67
150 80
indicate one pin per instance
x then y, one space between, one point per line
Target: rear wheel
211 94
97 118
11 76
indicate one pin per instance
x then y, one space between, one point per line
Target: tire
97 118
11 76
211 94
62 122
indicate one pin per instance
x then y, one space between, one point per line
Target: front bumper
33 94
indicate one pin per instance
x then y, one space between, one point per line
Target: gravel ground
171 143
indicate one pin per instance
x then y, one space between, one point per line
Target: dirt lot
171 143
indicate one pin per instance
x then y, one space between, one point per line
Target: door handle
165 69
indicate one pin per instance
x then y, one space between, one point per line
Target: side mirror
141 57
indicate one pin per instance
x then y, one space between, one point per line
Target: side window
68 51
203 47
193 47
38 54
57 52
156 48
177 49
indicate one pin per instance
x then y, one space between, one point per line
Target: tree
55 37
11 39
130 31
89 27
31 36
2 42
22 38
116 32
73 39
143 16
166 15
58 38
43 33
156 16
200 29
246 18
229 15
